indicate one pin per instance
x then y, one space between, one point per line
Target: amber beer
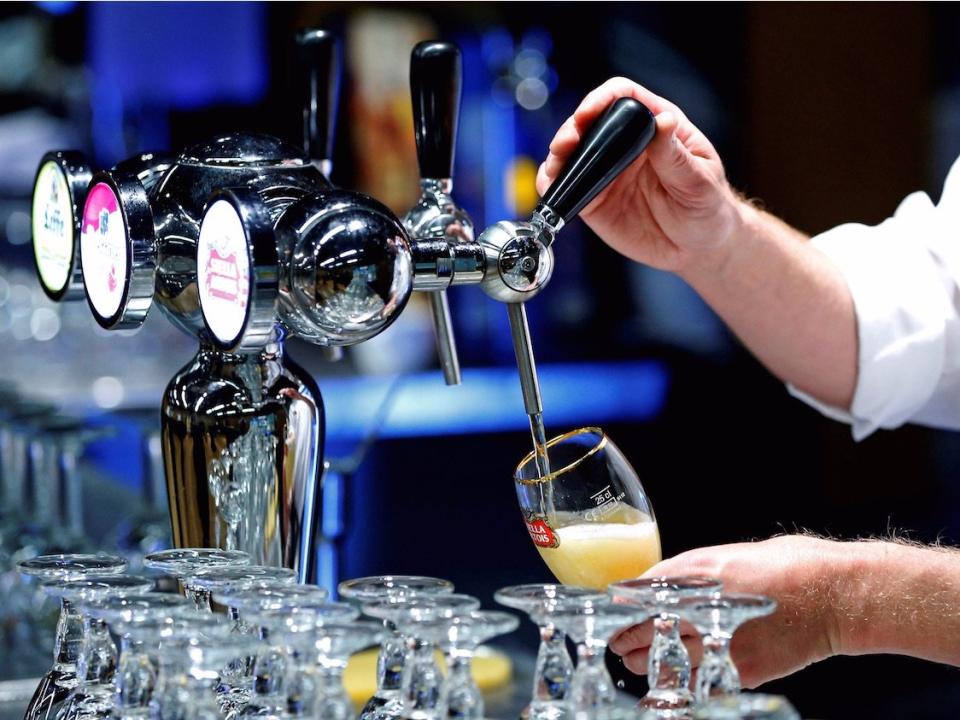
595 554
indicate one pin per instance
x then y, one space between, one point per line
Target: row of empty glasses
246 641
43 490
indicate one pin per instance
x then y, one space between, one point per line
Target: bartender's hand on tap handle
673 209
833 598
673 206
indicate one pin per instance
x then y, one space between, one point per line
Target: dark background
828 113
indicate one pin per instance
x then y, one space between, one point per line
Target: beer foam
611 531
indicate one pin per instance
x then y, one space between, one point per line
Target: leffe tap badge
58 192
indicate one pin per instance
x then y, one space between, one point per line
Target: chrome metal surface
346 267
444 253
446 340
244 150
547 222
275 170
523 348
442 240
148 167
243 446
519 265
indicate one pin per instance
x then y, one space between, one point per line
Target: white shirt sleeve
904 278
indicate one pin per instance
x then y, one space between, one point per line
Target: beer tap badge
223 271
103 250
53 227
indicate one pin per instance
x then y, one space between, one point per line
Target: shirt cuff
901 303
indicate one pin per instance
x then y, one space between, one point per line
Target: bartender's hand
673 206
795 570
673 209
834 598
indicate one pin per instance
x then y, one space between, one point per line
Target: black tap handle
609 146
319 54
436 79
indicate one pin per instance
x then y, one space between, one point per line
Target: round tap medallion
223 271
103 250
52 219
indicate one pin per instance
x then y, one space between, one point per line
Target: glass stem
554 669
717 676
66 649
421 681
45 483
332 701
460 696
96 666
269 679
72 489
135 678
592 687
669 664
202 599
390 662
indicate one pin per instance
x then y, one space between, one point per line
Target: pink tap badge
103 250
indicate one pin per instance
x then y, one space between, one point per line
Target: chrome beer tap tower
243 241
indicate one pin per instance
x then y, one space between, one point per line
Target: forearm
786 302
901 599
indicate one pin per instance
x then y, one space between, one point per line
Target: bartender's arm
862 322
674 210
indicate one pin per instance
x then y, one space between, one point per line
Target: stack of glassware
47 493
246 641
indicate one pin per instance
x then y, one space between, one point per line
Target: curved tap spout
519 254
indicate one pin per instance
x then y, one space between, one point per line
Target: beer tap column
519 255
441 233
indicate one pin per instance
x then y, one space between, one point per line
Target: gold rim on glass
550 443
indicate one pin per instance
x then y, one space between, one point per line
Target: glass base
546 710
382 707
232 699
84 706
51 695
667 700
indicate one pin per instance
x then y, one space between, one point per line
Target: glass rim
549 477
376 587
